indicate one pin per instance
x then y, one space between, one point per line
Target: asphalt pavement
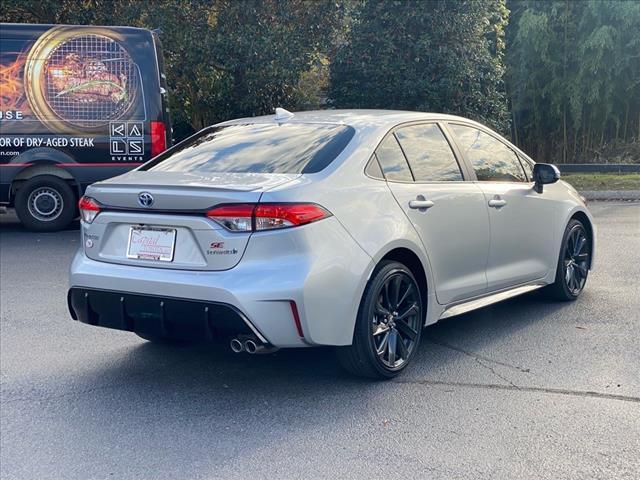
523 389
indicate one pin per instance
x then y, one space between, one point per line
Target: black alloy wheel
574 263
388 326
576 260
395 322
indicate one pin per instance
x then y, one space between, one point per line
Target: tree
572 69
573 76
442 55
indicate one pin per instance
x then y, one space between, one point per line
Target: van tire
45 203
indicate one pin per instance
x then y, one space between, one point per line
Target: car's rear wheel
388 326
45 203
573 263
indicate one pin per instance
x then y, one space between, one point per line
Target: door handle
421 203
497 202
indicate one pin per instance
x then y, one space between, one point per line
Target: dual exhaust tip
249 345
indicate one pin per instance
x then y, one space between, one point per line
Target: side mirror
544 173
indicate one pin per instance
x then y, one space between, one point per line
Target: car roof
357 118
367 121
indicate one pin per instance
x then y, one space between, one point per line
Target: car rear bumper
316 273
159 316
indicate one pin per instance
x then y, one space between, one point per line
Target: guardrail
599 167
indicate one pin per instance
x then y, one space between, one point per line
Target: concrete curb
625 195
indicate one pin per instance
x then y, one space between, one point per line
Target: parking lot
522 389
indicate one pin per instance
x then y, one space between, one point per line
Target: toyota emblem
145 199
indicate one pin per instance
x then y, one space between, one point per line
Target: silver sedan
353 229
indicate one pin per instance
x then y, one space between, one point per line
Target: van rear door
164 91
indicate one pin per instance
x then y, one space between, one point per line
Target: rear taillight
266 216
236 218
89 209
158 138
269 216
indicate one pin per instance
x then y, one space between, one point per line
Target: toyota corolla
352 229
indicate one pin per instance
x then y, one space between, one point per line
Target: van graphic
78 104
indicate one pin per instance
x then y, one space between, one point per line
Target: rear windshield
256 148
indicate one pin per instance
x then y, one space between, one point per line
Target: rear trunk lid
180 191
158 219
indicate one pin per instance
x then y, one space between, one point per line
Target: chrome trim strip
250 325
467 306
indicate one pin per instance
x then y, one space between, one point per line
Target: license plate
148 243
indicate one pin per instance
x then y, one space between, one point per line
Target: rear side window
373 168
429 153
491 159
256 148
392 161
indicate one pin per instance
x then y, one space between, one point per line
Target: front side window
392 161
491 159
429 153
528 168
256 148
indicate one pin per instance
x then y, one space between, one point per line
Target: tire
45 203
573 263
369 356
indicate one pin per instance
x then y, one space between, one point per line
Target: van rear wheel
45 203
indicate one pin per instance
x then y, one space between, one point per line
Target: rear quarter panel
364 206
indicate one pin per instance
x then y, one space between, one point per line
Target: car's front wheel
388 326
573 263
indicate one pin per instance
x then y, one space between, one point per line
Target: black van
78 104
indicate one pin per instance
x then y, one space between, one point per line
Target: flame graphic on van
12 95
